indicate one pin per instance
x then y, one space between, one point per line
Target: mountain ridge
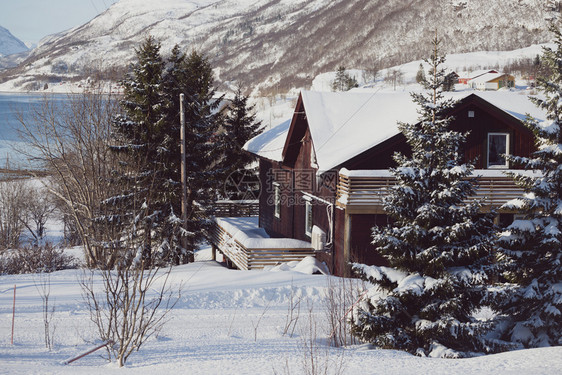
280 44
9 44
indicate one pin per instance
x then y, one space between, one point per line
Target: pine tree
531 249
239 126
147 136
193 76
420 75
436 246
343 81
136 136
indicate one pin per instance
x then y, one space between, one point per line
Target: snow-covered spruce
531 248
146 137
437 247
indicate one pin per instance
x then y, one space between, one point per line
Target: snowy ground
227 322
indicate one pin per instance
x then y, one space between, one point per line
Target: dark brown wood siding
271 172
487 119
362 250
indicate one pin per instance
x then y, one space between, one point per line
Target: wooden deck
362 191
248 247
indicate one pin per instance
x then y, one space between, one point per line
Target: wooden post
13 315
213 252
86 353
183 172
347 244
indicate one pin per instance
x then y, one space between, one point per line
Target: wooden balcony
362 191
249 247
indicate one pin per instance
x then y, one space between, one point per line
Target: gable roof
487 77
345 124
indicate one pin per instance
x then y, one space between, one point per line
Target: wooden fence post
13 315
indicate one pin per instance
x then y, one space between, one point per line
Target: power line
94 5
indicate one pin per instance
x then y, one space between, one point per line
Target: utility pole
183 172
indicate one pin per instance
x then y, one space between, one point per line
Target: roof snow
269 144
247 232
487 77
345 124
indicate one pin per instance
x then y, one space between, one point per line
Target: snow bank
226 322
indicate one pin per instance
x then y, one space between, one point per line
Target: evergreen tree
193 76
420 75
147 136
437 245
239 126
450 81
136 138
531 249
343 81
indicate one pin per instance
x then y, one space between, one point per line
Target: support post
213 252
183 173
347 243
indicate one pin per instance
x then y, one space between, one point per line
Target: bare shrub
131 307
43 286
318 356
35 259
293 312
70 140
341 295
394 77
256 324
12 203
39 208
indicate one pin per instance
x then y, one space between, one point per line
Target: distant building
465 79
492 81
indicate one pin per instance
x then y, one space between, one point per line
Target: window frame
507 150
277 200
308 223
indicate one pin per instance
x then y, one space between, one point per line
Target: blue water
11 139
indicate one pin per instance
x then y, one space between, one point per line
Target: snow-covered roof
487 77
269 144
476 73
247 232
345 124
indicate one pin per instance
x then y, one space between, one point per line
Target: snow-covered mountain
280 44
9 44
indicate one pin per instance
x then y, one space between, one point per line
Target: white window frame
507 151
308 216
277 200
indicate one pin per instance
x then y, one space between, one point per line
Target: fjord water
13 105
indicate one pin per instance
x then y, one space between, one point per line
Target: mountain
9 44
281 44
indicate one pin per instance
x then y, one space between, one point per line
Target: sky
31 20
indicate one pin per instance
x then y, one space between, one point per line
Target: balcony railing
363 191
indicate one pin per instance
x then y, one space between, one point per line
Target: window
277 199
470 114
308 217
498 147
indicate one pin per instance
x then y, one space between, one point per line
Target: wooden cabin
325 172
